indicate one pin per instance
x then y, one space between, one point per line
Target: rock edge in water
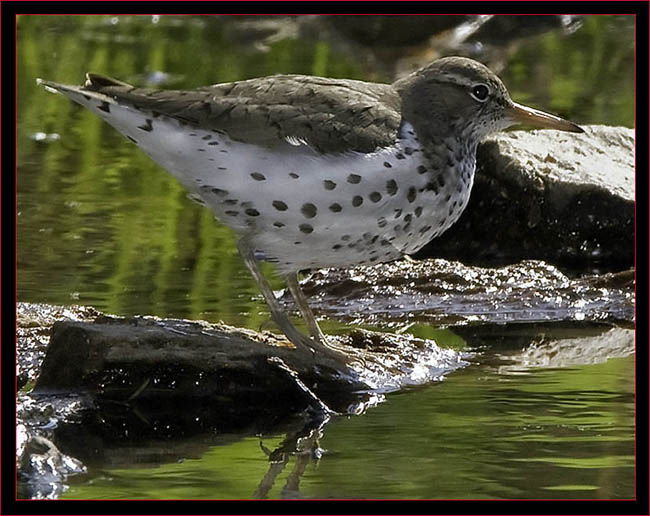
137 358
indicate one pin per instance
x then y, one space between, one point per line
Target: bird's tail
87 95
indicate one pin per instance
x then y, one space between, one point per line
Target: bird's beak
524 115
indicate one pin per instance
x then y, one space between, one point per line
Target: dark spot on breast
308 210
408 218
218 191
279 205
306 228
441 180
424 230
214 143
399 155
336 207
232 213
207 137
387 165
258 177
329 185
293 175
336 247
222 168
384 243
431 187
354 179
422 169
104 106
412 194
278 224
251 212
398 213
375 196
381 222
230 202
408 151
357 201
391 187
418 211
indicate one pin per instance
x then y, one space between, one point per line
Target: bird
313 172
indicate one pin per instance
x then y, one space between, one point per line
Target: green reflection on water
587 76
547 434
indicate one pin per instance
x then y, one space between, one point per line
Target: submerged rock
565 198
42 467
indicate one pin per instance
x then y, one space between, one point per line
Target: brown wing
330 115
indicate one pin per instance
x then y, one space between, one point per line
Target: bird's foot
348 356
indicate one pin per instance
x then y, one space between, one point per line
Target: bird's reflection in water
304 446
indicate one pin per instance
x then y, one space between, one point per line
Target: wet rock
561 197
129 358
168 362
33 323
109 381
548 350
41 467
441 292
521 347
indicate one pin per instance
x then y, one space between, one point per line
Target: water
100 225
481 433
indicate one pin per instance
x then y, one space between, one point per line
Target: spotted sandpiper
315 172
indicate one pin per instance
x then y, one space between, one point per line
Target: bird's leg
280 317
314 330
303 306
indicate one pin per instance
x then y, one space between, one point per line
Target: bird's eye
480 92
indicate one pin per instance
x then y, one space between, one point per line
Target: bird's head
460 95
